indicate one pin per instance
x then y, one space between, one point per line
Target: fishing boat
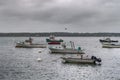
92 60
107 40
64 49
29 44
111 45
53 41
25 45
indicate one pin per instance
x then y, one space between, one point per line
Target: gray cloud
81 14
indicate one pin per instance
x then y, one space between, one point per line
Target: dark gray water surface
22 64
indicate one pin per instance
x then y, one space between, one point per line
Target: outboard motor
98 60
93 57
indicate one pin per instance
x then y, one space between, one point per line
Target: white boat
63 49
66 50
29 44
111 45
107 40
25 45
92 60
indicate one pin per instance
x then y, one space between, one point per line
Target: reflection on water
22 64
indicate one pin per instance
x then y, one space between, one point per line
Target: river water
22 64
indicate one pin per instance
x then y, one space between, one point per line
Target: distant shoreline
60 34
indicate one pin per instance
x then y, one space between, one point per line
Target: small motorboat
92 60
24 45
64 50
107 40
29 44
111 45
53 41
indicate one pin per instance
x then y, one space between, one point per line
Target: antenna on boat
72 45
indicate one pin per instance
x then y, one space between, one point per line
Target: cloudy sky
56 15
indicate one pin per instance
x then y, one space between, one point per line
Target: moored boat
66 50
92 60
107 40
53 41
24 45
29 44
111 45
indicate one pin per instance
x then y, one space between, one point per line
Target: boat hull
49 40
111 46
30 46
54 43
79 60
108 40
64 51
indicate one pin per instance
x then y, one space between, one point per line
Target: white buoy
39 59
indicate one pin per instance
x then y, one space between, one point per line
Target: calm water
22 64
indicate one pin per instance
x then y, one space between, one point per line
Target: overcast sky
56 15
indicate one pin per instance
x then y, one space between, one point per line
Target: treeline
61 34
